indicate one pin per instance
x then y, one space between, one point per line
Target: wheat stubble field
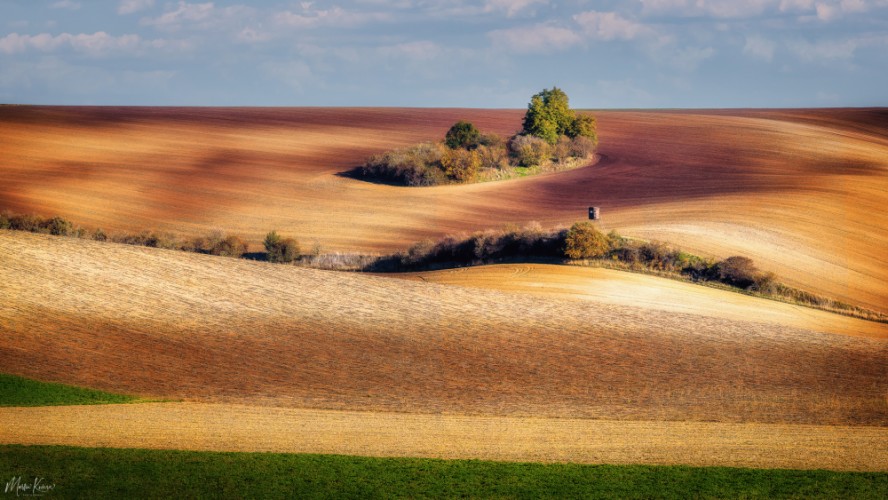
527 347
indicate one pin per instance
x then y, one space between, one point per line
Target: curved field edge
107 473
20 391
226 427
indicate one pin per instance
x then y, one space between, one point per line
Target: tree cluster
552 134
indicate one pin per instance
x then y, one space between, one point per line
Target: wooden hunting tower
594 213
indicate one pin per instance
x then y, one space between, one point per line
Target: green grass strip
19 391
131 473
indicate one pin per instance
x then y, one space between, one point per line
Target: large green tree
549 117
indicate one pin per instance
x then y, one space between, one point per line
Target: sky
431 53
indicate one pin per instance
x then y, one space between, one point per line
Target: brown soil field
802 192
213 329
215 427
609 286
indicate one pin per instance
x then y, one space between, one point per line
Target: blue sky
481 53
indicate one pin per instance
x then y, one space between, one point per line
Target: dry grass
165 323
214 427
801 192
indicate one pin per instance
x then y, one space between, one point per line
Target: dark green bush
462 135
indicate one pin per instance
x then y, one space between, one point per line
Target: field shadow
357 174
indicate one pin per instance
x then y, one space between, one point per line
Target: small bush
493 157
461 165
31 223
585 241
582 147
58 226
529 150
462 135
561 151
4 219
765 283
418 165
737 271
216 244
281 250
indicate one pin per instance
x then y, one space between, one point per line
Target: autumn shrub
765 283
585 241
418 165
282 250
217 244
737 271
461 165
561 150
528 150
58 226
493 157
27 222
582 147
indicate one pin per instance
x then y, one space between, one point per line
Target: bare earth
801 192
214 427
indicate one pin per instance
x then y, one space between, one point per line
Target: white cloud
540 38
725 9
511 7
417 51
759 48
95 44
689 58
335 17
184 13
610 26
854 5
827 12
65 4
250 35
132 6
825 50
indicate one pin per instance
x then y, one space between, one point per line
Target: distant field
169 324
802 192
107 473
18 391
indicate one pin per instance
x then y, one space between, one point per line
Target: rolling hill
800 191
211 329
